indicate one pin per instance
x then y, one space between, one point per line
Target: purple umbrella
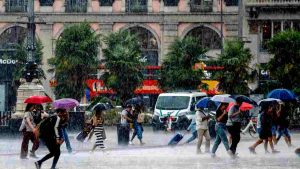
66 103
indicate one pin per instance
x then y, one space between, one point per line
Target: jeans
234 131
283 130
66 139
194 136
138 130
220 137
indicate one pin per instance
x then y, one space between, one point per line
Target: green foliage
285 65
121 58
177 69
21 56
75 58
235 59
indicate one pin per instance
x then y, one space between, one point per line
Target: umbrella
282 94
244 106
135 101
66 103
269 101
99 107
222 98
245 99
206 102
38 99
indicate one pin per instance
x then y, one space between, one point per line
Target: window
286 25
208 38
296 25
74 6
266 34
276 27
148 45
106 2
232 2
136 6
201 5
46 2
171 2
16 6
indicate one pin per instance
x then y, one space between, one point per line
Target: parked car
175 110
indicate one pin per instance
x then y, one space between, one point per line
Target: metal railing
272 2
5 116
201 6
16 5
76 6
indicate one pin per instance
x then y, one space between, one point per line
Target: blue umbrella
245 99
205 102
282 94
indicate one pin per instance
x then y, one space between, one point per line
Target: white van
175 110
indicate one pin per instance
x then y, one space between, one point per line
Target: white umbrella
270 100
224 98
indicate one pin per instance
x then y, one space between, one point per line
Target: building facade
157 22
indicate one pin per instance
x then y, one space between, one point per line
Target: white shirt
199 123
123 114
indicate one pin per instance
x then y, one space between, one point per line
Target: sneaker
23 158
213 155
230 153
142 143
130 143
275 151
32 154
252 150
199 152
37 165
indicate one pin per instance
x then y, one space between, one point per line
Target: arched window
209 38
148 45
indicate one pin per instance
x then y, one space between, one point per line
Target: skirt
99 130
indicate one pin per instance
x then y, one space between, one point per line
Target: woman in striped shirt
97 122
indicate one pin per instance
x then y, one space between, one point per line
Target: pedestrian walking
234 124
28 128
283 125
202 130
98 122
221 118
65 134
49 132
137 119
265 133
192 128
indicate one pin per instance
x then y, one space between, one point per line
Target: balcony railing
16 5
139 6
272 2
76 6
201 5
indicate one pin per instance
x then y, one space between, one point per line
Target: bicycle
251 128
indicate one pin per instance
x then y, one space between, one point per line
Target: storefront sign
7 61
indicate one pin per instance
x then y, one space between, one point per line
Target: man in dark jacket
49 132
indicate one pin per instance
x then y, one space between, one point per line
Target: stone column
2 6
169 34
149 5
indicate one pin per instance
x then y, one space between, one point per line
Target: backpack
44 126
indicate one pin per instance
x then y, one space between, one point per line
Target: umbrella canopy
99 107
244 106
222 98
282 94
66 103
245 99
206 102
38 99
269 101
135 101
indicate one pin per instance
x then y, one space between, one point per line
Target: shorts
265 134
284 131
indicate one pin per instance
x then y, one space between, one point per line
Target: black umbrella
245 99
99 107
135 101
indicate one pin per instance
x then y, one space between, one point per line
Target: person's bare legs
270 139
266 146
252 148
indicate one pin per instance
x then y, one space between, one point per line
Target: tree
75 59
284 66
177 70
122 60
236 74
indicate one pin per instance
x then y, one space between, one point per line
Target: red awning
149 87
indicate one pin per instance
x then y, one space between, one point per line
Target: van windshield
172 102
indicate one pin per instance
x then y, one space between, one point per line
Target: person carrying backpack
49 132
